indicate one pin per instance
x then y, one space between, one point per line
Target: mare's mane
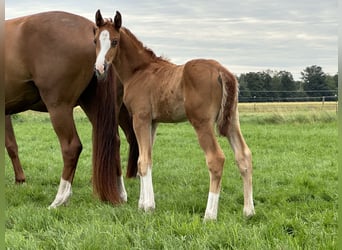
148 51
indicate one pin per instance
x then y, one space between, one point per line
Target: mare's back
47 52
48 37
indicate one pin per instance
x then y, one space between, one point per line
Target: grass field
295 190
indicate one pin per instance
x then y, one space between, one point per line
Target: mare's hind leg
64 126
12 150
243 158
126 123
215 161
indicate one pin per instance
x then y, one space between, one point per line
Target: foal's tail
230 89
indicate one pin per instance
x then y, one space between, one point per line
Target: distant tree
272 85
244 93
288 86
259 85
276 82
254 83
332 82
266 78
315 81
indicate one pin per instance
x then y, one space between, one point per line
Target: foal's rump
210 91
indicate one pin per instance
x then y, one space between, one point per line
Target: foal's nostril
105 65
97 72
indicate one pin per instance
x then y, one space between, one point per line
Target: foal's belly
169 111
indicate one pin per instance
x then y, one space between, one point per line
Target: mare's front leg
64 126
144 134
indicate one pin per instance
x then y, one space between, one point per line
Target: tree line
267 86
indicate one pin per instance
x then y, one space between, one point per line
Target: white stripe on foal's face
104 47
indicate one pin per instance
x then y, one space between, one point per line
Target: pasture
294 178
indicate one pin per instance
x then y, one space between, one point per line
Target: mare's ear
117 21
98 18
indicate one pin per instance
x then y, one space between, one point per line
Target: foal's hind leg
63 123
215 161
12 150
243 159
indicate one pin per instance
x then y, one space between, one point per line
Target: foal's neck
132 56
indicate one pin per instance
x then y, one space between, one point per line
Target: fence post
254 103
323 100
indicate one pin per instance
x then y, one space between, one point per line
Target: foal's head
107 39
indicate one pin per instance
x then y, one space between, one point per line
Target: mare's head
107 39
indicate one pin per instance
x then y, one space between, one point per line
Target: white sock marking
122 189
146 200
63 194
212 206
141 204
248 209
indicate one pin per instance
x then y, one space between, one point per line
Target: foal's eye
95 40
114 43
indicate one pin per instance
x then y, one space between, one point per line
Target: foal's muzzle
101 75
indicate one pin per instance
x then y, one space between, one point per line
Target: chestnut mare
49 60
155 91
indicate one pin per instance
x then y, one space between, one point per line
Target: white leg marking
212 206
248 209
63 194
141 204
104 47
122 190
146 200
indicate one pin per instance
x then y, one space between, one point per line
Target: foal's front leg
143 131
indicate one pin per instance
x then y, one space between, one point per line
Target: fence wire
268 107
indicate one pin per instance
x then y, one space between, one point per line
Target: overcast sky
245 36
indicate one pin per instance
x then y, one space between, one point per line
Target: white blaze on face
104 47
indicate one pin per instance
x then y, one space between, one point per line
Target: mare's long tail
99 101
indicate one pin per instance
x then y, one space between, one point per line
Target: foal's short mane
141 45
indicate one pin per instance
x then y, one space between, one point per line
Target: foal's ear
98 18
117 21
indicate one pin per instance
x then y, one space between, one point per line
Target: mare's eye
114 43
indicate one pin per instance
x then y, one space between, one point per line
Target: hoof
248 213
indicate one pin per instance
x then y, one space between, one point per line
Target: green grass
295 191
